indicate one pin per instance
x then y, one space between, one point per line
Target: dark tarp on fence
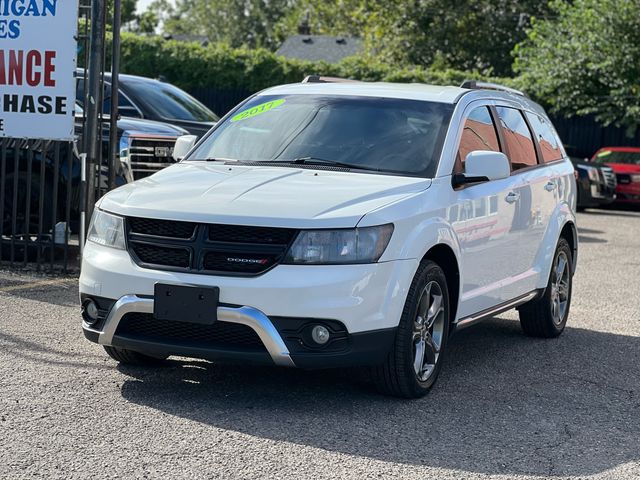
582 136
220 101
39 204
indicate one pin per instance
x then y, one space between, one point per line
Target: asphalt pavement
505 406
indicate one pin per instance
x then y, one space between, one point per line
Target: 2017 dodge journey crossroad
330 224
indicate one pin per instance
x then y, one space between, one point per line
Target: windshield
611 156
170 102
390 135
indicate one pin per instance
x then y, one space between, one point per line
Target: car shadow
589 239
62 291
615 211
505 403
590 231
42 353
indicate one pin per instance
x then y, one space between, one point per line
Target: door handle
512 197
550 186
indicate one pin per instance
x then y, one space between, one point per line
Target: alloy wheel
560 287
428 331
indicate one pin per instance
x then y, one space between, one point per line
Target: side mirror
482 166
183 145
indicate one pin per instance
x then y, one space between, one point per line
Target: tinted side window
479 133
106 106
549 145
517 136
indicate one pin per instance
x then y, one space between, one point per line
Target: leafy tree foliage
236 22
586 60
127 10
469 34
191 65
472 34
147 22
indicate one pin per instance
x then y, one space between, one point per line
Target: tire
547 316
130 357
400 375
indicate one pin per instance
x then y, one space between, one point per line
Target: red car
625 162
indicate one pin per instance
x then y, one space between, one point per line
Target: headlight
635 178
592 172
354 245
106 229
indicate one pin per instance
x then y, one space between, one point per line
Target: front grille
623 178
169 256
149 155
206 248
609 177
143 326
161 228
243 234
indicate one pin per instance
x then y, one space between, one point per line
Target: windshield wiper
220 159
323 161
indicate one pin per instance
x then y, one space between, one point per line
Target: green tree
236 22
127 10
146 22
472 34
586 60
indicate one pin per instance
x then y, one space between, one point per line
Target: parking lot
505 406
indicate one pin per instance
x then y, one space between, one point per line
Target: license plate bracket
182 303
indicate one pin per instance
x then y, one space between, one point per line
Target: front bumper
363 302
244 315
628 193
363 297
369 348
595 193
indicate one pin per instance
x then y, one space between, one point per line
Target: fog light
90 311
320 334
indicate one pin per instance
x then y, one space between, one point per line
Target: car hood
261 196
149 127
624 167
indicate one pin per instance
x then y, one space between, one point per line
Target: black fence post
115 85
93 133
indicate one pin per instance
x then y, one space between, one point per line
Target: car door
482 217
534 186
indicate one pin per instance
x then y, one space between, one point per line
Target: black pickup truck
141 97
49 173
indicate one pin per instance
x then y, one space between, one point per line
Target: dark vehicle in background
145 146
625 163
49 174
596 183
141 97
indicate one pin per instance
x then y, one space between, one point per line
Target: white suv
332 224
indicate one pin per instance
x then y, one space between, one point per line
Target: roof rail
475 85
321 79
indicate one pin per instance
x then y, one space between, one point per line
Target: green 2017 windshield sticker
257 110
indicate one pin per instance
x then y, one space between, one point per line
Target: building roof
315 48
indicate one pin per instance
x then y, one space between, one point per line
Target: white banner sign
37 66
